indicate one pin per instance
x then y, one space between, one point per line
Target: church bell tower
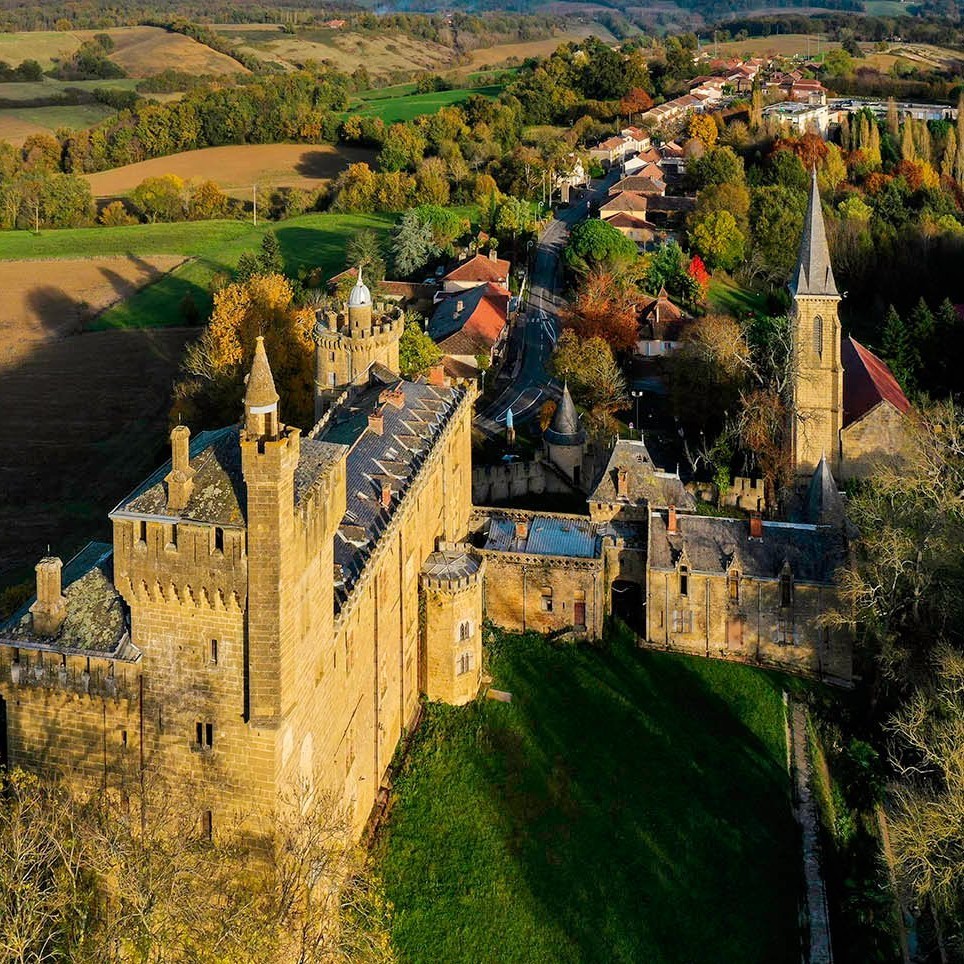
815 337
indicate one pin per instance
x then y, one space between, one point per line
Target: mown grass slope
625 806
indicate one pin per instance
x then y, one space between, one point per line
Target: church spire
813 275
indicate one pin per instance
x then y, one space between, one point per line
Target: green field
732 299
405 107
625 806
312 240
74 116
50 88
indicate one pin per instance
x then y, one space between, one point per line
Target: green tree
364 250
838 63
722 165
413 244
160 198
596 243
416 350
776 218
717 238
270 258
898 350
403 148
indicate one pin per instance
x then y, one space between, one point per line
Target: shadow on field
649 821
326 164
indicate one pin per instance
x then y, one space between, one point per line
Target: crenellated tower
348 342
269 457
815 338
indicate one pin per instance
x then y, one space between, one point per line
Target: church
273 606
847 405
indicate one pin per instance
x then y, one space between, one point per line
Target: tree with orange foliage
211 390
636 101
604 307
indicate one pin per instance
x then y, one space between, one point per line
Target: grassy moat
625 806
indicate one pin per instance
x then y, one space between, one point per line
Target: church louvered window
818 336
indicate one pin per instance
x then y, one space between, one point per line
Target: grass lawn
625 806
408 106
728 297
313 240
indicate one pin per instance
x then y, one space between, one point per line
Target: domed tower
452 624
565 439
348 342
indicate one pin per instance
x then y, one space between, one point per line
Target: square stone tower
815 336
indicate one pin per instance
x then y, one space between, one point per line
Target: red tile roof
477 327
480 268
867 382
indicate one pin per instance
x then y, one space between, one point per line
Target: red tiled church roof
867 382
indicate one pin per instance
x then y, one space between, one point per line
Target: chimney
436 376
180 480
622 482
672 525
756 525
376 421
50 609
522 529
386 493
459 306
493 254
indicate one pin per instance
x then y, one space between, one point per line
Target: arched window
818 336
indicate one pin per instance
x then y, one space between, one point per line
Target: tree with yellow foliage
703 128
211 390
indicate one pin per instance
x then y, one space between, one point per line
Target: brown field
785 45
237 168
141 51
16 130
84 415
493 56
344 50
145 51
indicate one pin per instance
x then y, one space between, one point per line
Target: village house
480 269
661 325
470 328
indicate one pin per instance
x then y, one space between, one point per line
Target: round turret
360 296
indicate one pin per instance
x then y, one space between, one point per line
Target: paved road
526 382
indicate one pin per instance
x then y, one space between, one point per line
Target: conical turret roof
824 504
813 274
260 390
565 428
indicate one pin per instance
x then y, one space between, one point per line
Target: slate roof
218 496
480 268
645 483
546 536
867 382
814 553
474 329
455 563
565 428
814 274
670 204
96 623
396 456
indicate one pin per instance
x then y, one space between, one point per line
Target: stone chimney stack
459 306
436 376
522 529
493 254
180 480
50 609
672 523
386 493
376 421
622 482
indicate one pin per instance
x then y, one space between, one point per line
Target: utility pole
254 198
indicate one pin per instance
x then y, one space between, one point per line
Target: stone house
480 269
471 326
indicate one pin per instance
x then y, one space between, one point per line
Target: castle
273 606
